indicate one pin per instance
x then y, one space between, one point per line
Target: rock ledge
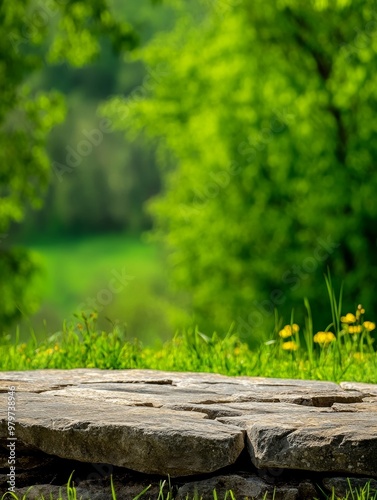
215 431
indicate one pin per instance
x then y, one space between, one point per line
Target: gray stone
365 389
341 485
90 490
146 394
46 490
62 378
249 487
313 441
217 387
307 491
368 406
150 440
231 409
186 424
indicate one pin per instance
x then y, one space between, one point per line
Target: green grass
90 259
166 493
349 356
344 350
82 344
76 270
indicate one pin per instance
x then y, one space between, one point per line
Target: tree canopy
264 119
33 35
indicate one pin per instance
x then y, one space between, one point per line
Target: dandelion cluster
289 330
324 338
352 324
286 332
291 345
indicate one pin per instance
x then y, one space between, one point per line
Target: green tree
121 174
32 35
265 124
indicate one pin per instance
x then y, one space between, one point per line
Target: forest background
201 163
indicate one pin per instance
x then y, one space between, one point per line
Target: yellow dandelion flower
348 318
290 346
49 351
324 337
286 332
355 329
369 325
289 330
237 351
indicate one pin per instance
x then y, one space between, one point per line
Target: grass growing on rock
69 492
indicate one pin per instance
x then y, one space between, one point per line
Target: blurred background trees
266 114
34 35
61 59
246 126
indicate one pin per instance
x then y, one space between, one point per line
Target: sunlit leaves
283 95
34 33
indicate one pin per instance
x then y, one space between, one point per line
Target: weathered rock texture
251 435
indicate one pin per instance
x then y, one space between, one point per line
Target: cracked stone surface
190 424
332 442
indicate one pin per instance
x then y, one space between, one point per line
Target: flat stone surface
369 405
365 389
186 424
333 442
231 409
150 440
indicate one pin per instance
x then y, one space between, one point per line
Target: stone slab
183 424
242 487
201 392
324 441
90 490
341 485
231 409
365 389
150 440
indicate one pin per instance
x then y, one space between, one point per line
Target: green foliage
121 173
264 121
32 34
78 275
19 271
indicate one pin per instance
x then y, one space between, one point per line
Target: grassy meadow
343 350
240 135
78 275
